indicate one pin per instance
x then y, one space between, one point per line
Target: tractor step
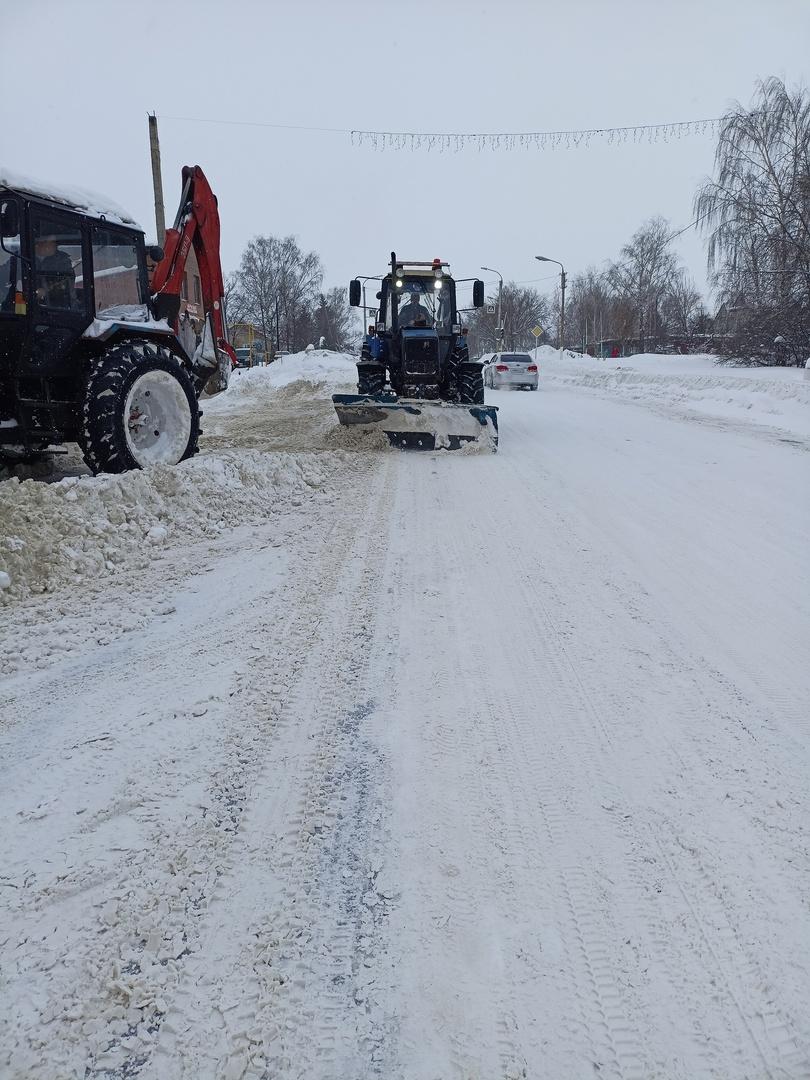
420 425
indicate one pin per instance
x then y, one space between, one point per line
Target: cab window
57 264
116 279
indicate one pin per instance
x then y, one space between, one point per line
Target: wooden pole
157 180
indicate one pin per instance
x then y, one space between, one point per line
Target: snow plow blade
421 425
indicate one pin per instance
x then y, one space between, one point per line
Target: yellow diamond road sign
537 330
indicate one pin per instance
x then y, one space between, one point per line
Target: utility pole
157 180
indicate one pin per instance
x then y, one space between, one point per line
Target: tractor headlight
437 284
399 283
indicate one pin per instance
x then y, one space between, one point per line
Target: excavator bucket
421 425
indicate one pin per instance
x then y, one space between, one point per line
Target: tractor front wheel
370 379
140 409
470 384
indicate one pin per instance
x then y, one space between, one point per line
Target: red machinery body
196 225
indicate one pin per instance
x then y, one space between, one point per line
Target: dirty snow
85 527
366 764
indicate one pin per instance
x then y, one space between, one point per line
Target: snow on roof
73 197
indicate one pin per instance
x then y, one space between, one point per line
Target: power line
256 123
455 141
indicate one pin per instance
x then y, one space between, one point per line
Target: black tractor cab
74 305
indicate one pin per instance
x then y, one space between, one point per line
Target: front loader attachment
421 425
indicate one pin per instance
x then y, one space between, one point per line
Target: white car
510 369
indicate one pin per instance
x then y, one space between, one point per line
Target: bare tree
276 287
680 305
522 308
255 286
334 321
236 307
589 311
756 212
644 274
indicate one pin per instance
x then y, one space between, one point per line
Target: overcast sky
79 76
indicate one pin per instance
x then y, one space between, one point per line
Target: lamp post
542 258
500 296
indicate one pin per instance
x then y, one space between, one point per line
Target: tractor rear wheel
370 379
140 409
470 384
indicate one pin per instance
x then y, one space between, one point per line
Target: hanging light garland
454 142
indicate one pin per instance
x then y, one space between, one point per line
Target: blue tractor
414 376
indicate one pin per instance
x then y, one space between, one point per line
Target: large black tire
140 408
370 378
470 384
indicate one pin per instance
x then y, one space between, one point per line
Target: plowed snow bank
776 397
321 369
51 534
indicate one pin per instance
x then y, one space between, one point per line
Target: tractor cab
414 374
63 266
418 329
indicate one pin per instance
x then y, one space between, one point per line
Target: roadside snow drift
319 370
82 527
775 397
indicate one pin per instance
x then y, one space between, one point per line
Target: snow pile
76 197
300 373
776 397
86 527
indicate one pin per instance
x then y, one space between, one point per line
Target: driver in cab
413 314
55 278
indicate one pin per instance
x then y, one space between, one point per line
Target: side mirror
156 253
354 293
478 294
10 220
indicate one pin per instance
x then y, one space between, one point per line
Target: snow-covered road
420 766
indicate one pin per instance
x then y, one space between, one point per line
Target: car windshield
422 305
516 358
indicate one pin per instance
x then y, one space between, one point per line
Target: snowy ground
326 761
692 386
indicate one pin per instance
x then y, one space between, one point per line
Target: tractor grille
421 366
422 357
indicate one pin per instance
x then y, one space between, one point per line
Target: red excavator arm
197 225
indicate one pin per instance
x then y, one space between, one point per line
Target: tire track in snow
616 1048
135 944
779 1046
291 951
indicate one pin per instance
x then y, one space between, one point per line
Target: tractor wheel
470 384
370 379
140 409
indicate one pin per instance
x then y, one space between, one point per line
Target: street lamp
500 296
542 258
